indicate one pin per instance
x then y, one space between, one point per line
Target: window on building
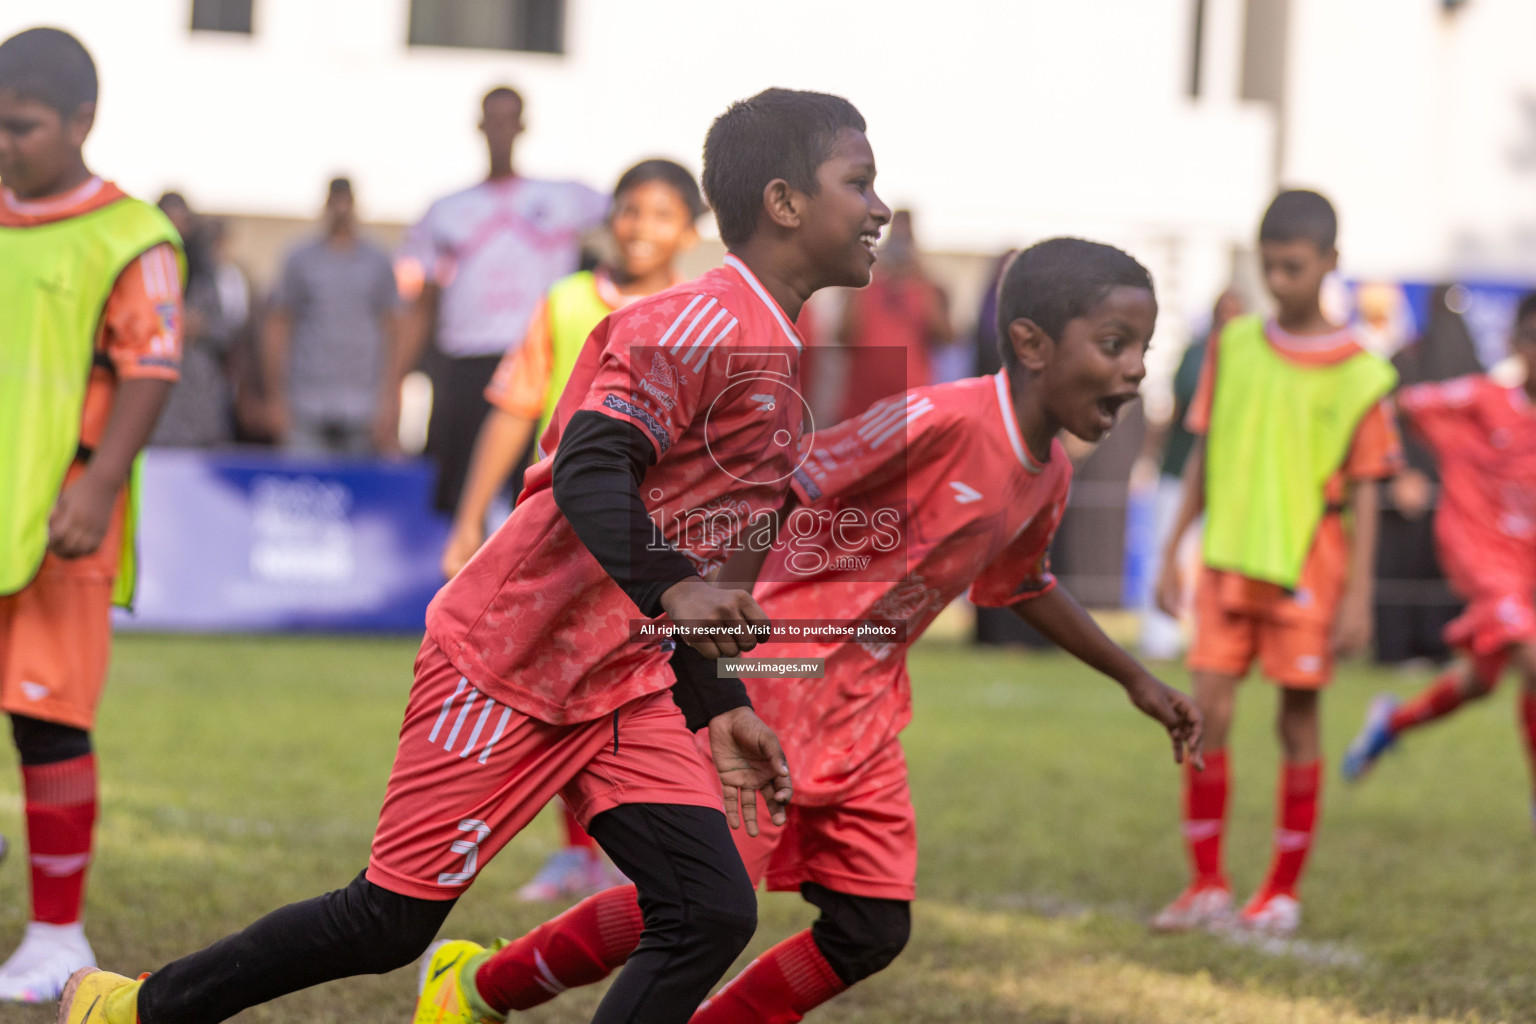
534 25
221 16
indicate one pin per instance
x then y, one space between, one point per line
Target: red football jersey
925 494
1484 439
709 372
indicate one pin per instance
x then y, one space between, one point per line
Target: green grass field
242 774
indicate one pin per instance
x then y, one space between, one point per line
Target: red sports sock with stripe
1299 785
575 835
1446 693
579 947
779 987
61 817
1205 818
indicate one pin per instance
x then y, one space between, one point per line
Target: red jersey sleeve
1430 408
1023 569
520 384
141 323
860 453
1198 419
642 383
1376 451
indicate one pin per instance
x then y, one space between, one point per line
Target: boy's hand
80 517
695 603
1175 711
750 761
463 542
1170 588
1352 626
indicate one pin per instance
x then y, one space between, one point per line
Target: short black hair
1300 214
339 186
668 173
1058 280
779 133
502 92
51 66
1527 306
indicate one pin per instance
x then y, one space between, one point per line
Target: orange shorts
1293 649
55 641
471 773
863 845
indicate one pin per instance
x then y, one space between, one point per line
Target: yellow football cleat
94 996
444 995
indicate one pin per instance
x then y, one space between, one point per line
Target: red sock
1299 784
1205 817
575 835
1528 717
579 947
61 813
1447 692
779 987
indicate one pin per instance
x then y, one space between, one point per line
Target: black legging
697 901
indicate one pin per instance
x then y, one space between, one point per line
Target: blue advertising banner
251 541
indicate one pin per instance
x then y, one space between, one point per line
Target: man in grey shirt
328 336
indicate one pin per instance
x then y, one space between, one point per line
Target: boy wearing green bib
1294 437
90 312
655 207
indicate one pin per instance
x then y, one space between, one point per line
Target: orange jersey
522 380
140 332
1376 452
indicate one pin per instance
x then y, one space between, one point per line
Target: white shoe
1196 907
39 969
1278 916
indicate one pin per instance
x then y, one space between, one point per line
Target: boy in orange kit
90 313
1295 435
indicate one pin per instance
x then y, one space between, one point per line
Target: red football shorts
471 773
863 845
1499 583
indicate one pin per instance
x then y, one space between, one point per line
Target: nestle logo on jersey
661 383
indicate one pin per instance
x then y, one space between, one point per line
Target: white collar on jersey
1011 423
50 204
767 300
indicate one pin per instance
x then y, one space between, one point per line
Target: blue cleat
1374 739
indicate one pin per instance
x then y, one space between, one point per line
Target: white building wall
1001 122
1421 125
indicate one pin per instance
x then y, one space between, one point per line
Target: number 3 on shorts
469 848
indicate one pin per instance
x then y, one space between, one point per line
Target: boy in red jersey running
529 685
1483 435
936 490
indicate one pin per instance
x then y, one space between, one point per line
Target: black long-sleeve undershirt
599 467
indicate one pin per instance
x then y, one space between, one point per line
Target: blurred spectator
328 336
475 267
901 309
987 358
199 413
1413 601
1161 635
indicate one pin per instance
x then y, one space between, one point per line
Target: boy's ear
1331 257
780 202
78 125
1032 347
